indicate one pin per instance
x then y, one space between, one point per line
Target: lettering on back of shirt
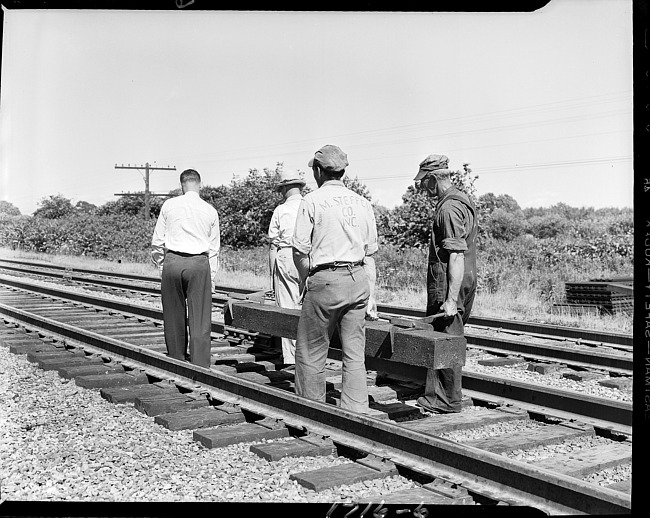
349 217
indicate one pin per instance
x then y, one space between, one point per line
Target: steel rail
475 469
618 414
525 327
577 357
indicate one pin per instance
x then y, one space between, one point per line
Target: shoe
423 402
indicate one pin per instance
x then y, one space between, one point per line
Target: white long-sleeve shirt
283 222
189 225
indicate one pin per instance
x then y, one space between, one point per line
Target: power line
541 108
147 194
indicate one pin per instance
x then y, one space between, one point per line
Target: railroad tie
584 462
111 380
308 446
264 429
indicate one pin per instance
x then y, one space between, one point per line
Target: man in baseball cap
330 158
333 244
451 274
284 276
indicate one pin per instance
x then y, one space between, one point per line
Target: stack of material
614 296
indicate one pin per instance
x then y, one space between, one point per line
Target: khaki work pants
286 285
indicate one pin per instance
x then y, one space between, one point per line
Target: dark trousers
443 387
186 290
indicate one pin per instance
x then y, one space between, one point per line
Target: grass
401 282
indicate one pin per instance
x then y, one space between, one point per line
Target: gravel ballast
60 442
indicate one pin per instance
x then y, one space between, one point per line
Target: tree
8 209
83 207
489 202
54 207
131 206
409 224
245 206
356 186
504 225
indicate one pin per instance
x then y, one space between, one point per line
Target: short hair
328 173
190 175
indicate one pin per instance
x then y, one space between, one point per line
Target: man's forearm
302 264
455 274
371 272
273 252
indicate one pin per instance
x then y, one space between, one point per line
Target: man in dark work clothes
451 274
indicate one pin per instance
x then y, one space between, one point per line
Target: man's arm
455 274
158 242
371 273
215 248
273 253
302 265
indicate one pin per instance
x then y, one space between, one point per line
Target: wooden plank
156 408
130 393
457 493
205 417
524 440
421 347
396 410
36 356
85 370
57 363
244 432
302 447
624 486
584 462
343 474
463 420
110 380
413 497
500 362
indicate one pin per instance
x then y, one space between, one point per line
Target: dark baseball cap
430 164
330 158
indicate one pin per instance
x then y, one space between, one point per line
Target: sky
539 104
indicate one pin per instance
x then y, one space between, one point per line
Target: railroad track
578 348
106 344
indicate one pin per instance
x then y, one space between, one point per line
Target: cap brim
310 163
421 174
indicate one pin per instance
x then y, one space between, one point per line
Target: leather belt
334 266
183 254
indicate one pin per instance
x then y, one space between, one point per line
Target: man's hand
371 309
450 307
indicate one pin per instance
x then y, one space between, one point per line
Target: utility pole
147 168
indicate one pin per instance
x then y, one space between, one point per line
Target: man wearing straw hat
284 276
334 241
451 274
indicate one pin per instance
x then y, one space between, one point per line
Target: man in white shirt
333 246
284 276
185 247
